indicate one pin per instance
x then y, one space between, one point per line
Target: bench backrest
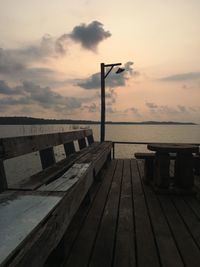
17 146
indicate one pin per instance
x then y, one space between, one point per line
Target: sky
50 55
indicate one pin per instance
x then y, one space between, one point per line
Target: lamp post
103 77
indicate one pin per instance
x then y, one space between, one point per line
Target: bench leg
184 176
161 170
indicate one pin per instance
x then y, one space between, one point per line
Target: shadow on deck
127 224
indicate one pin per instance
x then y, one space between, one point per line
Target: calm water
16 169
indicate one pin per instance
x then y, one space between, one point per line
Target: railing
143 143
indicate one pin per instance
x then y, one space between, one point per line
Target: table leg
148 170
184 176
161 170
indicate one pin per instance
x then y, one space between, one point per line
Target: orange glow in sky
50 55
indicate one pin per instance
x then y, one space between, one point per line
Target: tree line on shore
30 121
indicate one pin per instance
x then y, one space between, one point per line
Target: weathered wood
81 143
3 180
187 247
53 172
167 248
47 157
17 146
77 222
68 179
104 245
19 216
189 217
86 239
147 254
69 148
125 248
98 156
43 241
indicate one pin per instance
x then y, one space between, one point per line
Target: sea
22 167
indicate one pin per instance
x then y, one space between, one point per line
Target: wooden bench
35 212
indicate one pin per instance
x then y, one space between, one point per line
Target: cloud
113 79
92 108
166 110
17 64
182 77
134 111
6 90
89 36
29 93
151 105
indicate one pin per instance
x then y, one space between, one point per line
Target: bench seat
35 213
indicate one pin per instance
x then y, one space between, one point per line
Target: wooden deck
127 224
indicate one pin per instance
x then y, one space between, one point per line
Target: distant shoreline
34 121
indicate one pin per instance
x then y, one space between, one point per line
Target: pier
92 210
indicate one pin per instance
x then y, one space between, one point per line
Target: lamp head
120 70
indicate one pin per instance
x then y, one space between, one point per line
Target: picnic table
183 170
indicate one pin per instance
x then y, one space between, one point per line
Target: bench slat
19 215
68 179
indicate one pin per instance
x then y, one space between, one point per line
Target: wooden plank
125 250
78 220
187 247
44 241
47 157
102 254
98 156
190 219
85 241
68 179
19 216
17 146
147 254
167 248
194 205
3 180
62 251
52 172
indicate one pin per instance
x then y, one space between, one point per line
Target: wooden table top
173 148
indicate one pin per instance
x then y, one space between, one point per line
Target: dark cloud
6 90
14 65
182 77
113 79
29 93
17 64
89 36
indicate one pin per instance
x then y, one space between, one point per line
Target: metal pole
102 102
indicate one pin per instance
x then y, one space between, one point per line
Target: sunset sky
50 55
